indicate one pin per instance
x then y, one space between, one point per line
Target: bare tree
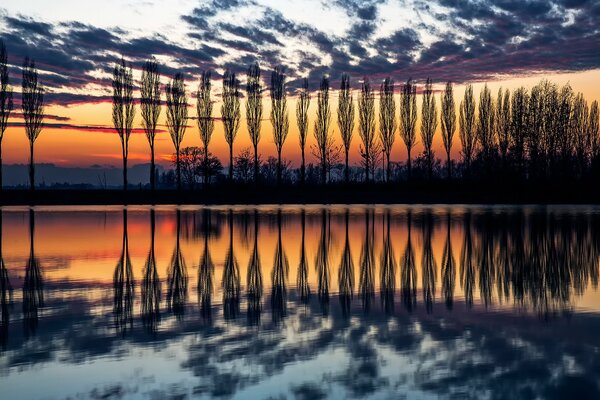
428 125
580 131
254 110
408 118
467 127
503 124
6 100
33 110
519 127
594 129
535 136
123 108
230 112
322 123
485 126
206 123
302 121
366 124
387 120
177 113
563 127
448 121
150 108
346 119
279 115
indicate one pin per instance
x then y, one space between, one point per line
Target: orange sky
84 148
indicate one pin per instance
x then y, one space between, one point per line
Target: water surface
300 302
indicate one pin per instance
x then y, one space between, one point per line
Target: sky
506 43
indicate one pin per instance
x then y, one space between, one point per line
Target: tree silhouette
303 286
206 124
408 118
177 114
467 127
579 126
6 296
254 281
231 278
279 277
206 271
150 109
448 268
346 272
428 125
366 283
387 120
254 110
564 127
279 114
322 122
33 110
151 286
123 108
177 278
467 269
366 124
388 270
448 122
6 99
519 125
428 264
408 271
485 127
346 119
322 264
230 112
594 129
33 283
302 122
502 125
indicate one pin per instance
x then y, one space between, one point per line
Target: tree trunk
408 164
1 186
449 166
367 164
178 165
324 169
124 168
387 167
152 169
303 168
231 163
31 168
278 166
347 170
205 165
256 164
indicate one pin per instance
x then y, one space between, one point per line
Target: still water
300 302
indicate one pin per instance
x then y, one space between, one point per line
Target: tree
519 127
230 112
206 124
503 124
346 119
387 120
33 110
366 124
302 122
448 121
485 127
580 132
594 129
6 100
428 125
535 136
254 110
123 108
563 128
322 122
177 113
150 108
467 127
279 115
408 117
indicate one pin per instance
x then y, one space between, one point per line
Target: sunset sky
75 43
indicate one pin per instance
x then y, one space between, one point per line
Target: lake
300 302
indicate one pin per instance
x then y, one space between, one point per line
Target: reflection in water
448 268
366 284
303 286
322 265
151 286
388 270
279 277
177 279
517 316
254 281
346 272
33 284
206 271
6 294
408 271
231 278
123 286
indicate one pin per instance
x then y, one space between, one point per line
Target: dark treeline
546 133
533 260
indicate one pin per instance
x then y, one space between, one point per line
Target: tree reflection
151 286
322 264
428 264
448 268
254 282
279 277
388 270
366 284
177 279
206 271
346 273
303 286
408 272
6 295
123 286
467 267
231 278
